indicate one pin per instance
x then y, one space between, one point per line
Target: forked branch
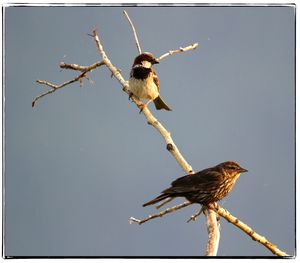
249 231
211 245
53 87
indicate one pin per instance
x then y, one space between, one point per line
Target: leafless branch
55 87
181 49
134 33
194 217
90 68
83 69
160 214
211 248
213 229
249 231
164 202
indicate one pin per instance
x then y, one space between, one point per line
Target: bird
207 186
143 81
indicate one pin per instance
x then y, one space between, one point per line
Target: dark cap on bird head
146 56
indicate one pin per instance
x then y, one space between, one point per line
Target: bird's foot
142 107
130 95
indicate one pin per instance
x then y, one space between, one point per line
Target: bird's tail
157 199
160 104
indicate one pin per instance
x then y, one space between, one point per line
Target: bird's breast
143 88
140 72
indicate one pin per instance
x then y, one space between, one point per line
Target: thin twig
194 217
162 203
90 68
55 87
181 49
83 69
134 32
249 231
160 214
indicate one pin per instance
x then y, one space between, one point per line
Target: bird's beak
155 61
242 170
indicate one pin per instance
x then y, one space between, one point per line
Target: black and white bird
143 81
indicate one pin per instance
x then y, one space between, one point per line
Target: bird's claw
141 107
130 95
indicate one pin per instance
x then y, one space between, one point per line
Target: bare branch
55 87
134 33
162 203
194 217
45 93
83 69
160 214
99 63
213 233
44 82
213 224
114 71
180 50
249 231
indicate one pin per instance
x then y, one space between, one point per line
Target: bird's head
145 59
231 168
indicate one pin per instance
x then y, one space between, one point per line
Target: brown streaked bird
143 81
207 186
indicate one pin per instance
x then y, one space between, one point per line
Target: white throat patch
146 64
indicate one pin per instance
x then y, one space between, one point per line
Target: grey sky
83 161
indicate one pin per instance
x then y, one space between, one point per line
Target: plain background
83 161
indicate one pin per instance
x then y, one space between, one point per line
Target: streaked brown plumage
143 80
207 186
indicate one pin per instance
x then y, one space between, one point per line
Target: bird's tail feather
157 199
160 104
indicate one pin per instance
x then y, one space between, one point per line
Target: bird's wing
194 182
155 79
